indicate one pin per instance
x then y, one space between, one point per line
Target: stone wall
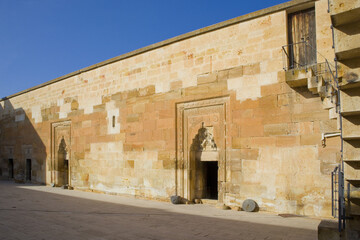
123 120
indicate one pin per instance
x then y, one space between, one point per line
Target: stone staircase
345 19
322 79
350 111
319 79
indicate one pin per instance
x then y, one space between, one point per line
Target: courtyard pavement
42 212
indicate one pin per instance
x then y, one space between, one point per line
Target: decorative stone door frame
53 161
182 172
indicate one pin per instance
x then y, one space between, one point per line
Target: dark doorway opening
28 170
211 169
11 168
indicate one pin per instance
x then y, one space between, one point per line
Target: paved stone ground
40 212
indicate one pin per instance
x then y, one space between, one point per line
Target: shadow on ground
29 214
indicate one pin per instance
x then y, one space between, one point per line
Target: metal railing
338 196
296 55
302 55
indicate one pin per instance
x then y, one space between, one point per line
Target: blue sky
44 39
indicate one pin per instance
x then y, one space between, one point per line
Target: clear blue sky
44 39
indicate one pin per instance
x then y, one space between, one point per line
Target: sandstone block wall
123 120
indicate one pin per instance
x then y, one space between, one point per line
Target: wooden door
302 38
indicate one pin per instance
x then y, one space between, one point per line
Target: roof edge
214 27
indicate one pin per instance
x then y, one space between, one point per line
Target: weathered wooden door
302 38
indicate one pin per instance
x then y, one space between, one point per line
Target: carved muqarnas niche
62 152
204 140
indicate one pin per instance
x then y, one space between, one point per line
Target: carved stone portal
201 149
60 156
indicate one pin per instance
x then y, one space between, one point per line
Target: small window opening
113 121
28 170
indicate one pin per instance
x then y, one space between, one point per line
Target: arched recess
194 119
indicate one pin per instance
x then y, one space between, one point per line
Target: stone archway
61 154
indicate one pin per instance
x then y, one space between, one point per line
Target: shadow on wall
22 151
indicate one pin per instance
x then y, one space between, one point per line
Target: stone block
350 101
286 141
351 127
327 126
74 105
139 108
176 85
251 69
238 142
298 77
165 123
236 72
263 141
116 97
276 129
347 40
310 116
254 128
99 108
333 113
132 118
285 99
223 75
249 154
314 139
132 93
235 164
313 84
147 91
207 78
133 147
196 91
168 164
329 102
352 150
268 102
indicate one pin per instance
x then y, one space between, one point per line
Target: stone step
350 172
344 11
354 208
351 150
350 101
348 85
354 182
353 163
353 194
333 114
209 201
347 41
350 70
351 127
298 77
326 91
329 102
314 84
